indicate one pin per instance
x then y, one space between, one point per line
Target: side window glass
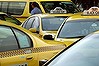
28 24
23 39
16 8
0 7
36 23
4 7
7 39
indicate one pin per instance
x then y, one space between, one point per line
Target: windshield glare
78 28
52 23
68 6
83 53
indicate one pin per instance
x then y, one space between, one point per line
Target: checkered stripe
33 50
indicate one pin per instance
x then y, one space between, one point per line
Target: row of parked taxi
56 38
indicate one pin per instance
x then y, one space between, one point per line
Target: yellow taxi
44 24
21 9
19 47
78 26
9 18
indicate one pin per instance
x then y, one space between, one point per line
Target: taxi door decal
30 50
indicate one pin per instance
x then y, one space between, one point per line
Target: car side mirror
48 37
33 30
42 62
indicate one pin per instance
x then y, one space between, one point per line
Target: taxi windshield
52 23
83 53
68 6
78 28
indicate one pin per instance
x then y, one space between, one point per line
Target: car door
16 48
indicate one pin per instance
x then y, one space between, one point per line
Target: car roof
51 15
81 16
13 25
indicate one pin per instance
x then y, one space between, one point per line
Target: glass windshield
65 5
83 53
52 23
78 28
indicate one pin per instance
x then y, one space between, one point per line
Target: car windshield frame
81 53
78 28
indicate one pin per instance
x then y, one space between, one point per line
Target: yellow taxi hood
67 42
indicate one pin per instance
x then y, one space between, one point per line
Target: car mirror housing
48 37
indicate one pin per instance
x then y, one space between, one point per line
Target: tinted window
28 23
78 28
52 23
12 39
7 39
23 39
68 6
14 8
4 7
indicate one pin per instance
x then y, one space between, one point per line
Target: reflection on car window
68 6
79 28
28 23
23 39
7 39
83 53
14 8
52 23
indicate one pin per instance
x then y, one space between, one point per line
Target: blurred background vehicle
21 9
78 26
44 24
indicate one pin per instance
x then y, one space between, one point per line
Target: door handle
29 57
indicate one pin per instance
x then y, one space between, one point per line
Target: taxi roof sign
58 10
92 11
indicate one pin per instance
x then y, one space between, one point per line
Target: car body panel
30 55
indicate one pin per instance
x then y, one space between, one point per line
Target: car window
32 22
15 8
36 23
23 40
52 23
51 5
81 27
13 39
7 39
28 23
